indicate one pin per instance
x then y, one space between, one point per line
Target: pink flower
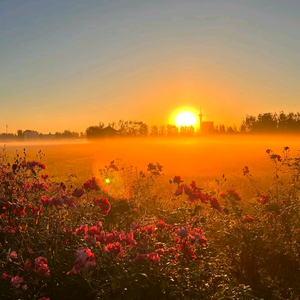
12 254
140 257
16 281
134 226
5 276
153 257
183 232
40 265
85 259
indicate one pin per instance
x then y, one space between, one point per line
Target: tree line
260 124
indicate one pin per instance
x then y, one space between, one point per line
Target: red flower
264 198
104 205
115 248
85 259
153 257
78 193
160 224
246 170
247 219
41 267
177 179
5 276
94 230
216 205
140 257
128 239
16 281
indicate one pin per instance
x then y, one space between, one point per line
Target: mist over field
195 157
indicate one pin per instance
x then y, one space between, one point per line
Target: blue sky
69 64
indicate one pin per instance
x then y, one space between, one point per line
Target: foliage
120 237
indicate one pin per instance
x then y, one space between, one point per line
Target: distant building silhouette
30 135
108 132
206 127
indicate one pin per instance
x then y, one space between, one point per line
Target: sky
69 64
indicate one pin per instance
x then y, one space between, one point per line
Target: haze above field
69 64
203 158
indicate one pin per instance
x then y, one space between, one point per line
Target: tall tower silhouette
200 117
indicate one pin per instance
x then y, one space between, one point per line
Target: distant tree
171 130
187 130
93 132
20 134
154 130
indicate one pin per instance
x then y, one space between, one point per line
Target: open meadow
208 218
202 159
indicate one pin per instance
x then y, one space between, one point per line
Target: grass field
203 160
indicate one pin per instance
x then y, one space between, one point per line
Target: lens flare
107 180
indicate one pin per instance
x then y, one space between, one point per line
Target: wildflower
92 184
84 259
188 251
129 240
81 230
160 224
12 254
147 229
286 148
141 245
40 264
246 170
268 151
216 205
94 230
115 248
177 179
104 205
78 193
45 176
160 251
264 198
196 236
153 257
247 219
183 232
5 276
140 257
234 195
16 281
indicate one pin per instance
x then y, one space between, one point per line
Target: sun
186 118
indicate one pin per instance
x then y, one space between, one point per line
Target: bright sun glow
186 118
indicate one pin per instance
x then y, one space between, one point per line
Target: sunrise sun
186 118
